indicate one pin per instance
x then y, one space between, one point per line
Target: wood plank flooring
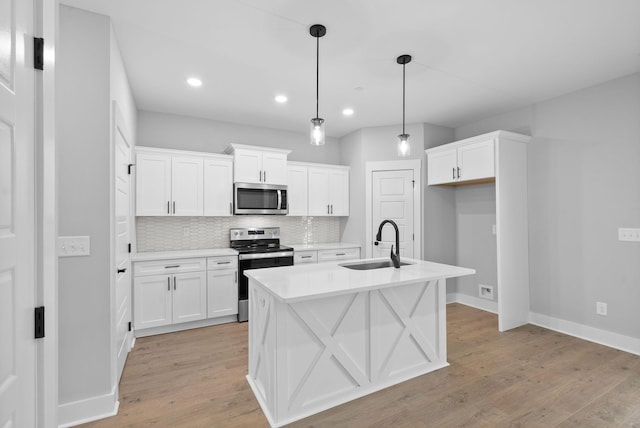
527 377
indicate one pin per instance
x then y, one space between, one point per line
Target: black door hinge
129 246
38 53
39 322
129 325
129 168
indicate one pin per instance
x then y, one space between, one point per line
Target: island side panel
262 348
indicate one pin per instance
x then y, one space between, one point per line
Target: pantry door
393 200
17 216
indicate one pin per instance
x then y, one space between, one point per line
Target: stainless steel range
257 248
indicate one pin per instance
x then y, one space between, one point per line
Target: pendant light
317 124
404 149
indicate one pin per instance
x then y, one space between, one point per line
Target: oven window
258 199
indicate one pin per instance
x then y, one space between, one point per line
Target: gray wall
82 107
203 135
584 183
90 74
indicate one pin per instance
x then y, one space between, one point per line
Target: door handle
331 208
458 172
453 173
260 176
122 270
168 207
174 282
174 207
264 174
328 209
168 283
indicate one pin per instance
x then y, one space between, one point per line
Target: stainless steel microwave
251 198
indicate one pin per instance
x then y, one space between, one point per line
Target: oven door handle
254 256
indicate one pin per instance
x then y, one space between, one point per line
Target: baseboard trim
172 328
474 302
88 410
592 334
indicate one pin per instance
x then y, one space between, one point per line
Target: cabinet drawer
341 254
169 266
300 257
225 262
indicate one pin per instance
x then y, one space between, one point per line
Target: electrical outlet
74 246
601 308
485 291
628 234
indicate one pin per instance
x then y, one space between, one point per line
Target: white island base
320 336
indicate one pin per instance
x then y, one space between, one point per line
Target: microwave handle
279 199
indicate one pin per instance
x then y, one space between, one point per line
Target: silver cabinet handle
174 207
230 207
331 208
172 266
340 254
168 283
260 176
264 174
174 282
305 257
458 172
168 207
453 173
328 209
224 263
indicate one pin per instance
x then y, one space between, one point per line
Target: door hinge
39 322
129 168
129 325
38 53
129 248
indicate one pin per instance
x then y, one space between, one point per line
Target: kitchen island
322 335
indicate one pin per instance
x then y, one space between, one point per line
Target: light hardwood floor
525 377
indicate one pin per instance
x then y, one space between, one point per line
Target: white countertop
310 281
182 254
326 246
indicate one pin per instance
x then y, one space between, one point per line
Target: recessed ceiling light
281 99
348 112
194 82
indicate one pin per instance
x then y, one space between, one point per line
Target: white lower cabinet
178 291
222 286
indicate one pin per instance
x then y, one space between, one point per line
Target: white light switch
73 246
628 234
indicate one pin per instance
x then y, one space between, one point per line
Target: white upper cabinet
297 190
218 186
168 184
252 164
153 184
187 180
461 163
328 191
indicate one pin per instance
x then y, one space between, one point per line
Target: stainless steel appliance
257 248
251 198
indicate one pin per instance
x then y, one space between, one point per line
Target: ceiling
471 59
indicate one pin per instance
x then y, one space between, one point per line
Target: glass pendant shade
404 148
317 131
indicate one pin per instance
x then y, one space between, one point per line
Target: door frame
46 25
409 164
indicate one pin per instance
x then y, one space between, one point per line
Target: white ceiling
471 58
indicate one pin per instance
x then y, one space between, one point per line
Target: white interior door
123 336
17 221
393 200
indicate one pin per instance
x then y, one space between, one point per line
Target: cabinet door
247 166
151 301
274 168
189 296
318 186
153 184
339 190
441 167
222 292
187 186
476 161
218 187
297 190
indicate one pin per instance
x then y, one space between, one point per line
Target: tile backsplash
193 233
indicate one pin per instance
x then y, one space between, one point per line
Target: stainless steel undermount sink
372 265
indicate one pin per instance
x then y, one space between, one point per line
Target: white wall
90 74
584 183
203 135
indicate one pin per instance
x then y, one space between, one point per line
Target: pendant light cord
403 67
317 72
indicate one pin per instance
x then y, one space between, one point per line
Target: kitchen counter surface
324 246
310 281
182 254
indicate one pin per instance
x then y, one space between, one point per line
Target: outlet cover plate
629 234
601 308
74 246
